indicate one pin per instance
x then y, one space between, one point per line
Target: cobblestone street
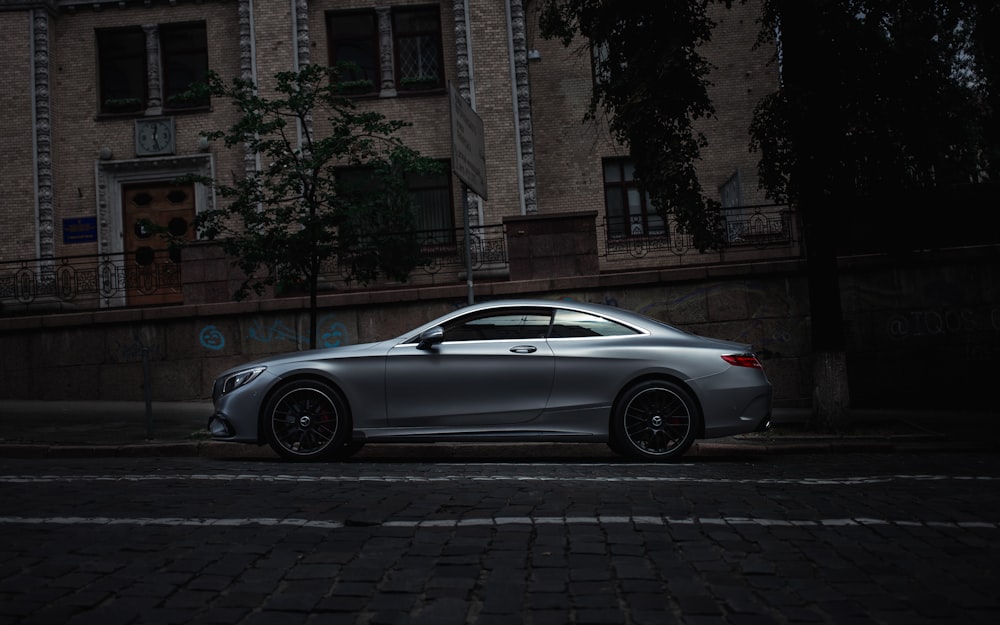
852 538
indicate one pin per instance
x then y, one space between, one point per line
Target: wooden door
152 265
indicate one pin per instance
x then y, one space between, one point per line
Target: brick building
94 131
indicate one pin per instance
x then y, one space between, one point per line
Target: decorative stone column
523 104
463 57
302 31
42 114
155 104
386 59
247 64
302 59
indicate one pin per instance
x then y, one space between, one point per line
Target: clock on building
154 136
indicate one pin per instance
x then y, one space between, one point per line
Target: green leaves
295 215
879 97
652 84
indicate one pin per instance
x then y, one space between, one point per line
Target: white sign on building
468 144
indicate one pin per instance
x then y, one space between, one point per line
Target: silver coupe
523 370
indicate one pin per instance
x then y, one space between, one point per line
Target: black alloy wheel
655 420
306 420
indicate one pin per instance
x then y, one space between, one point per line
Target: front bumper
236 416
220 428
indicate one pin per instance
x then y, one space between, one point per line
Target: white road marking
646 520
660 479
166 521
497 522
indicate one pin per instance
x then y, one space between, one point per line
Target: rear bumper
753 415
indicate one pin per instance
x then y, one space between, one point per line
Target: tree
879 98
652 83
881 102
336 194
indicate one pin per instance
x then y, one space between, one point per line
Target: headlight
238 379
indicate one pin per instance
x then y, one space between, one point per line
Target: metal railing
119 280
89 281
747 228
440 251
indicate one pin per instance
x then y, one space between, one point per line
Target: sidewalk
102 429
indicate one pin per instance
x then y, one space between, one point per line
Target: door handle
524 349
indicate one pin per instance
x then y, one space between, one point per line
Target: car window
575 324
495 325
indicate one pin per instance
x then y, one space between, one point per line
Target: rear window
574 324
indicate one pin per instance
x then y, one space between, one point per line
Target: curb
431 451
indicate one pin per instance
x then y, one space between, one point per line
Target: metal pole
147 389
468 243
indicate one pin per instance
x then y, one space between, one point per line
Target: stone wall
921 333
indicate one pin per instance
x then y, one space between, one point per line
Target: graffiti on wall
211 338
134 350
329 333
969 332
948 321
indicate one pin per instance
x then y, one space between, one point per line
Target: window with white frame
184 58
125 83
353 37
389 50
731 198
731 193
121 58
629 211
416 34
430 197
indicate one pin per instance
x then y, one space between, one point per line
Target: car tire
655 420
306 421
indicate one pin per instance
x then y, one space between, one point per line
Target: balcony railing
85 282
745 229
440 251
121 280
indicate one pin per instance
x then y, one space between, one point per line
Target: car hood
345 351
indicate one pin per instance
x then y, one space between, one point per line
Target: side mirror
431 338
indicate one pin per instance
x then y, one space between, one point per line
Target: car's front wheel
655 420
306 420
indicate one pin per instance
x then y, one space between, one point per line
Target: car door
492 368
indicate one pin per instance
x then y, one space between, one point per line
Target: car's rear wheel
306 420
655 420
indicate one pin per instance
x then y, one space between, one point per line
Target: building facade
96 129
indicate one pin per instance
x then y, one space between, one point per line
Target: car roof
618 314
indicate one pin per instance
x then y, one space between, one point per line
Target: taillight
743 360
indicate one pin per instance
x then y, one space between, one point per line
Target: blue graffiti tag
334 335
276 331
212 338
330 333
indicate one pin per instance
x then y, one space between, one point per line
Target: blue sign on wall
80 230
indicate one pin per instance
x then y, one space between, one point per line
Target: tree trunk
313 306
831 400
816 135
